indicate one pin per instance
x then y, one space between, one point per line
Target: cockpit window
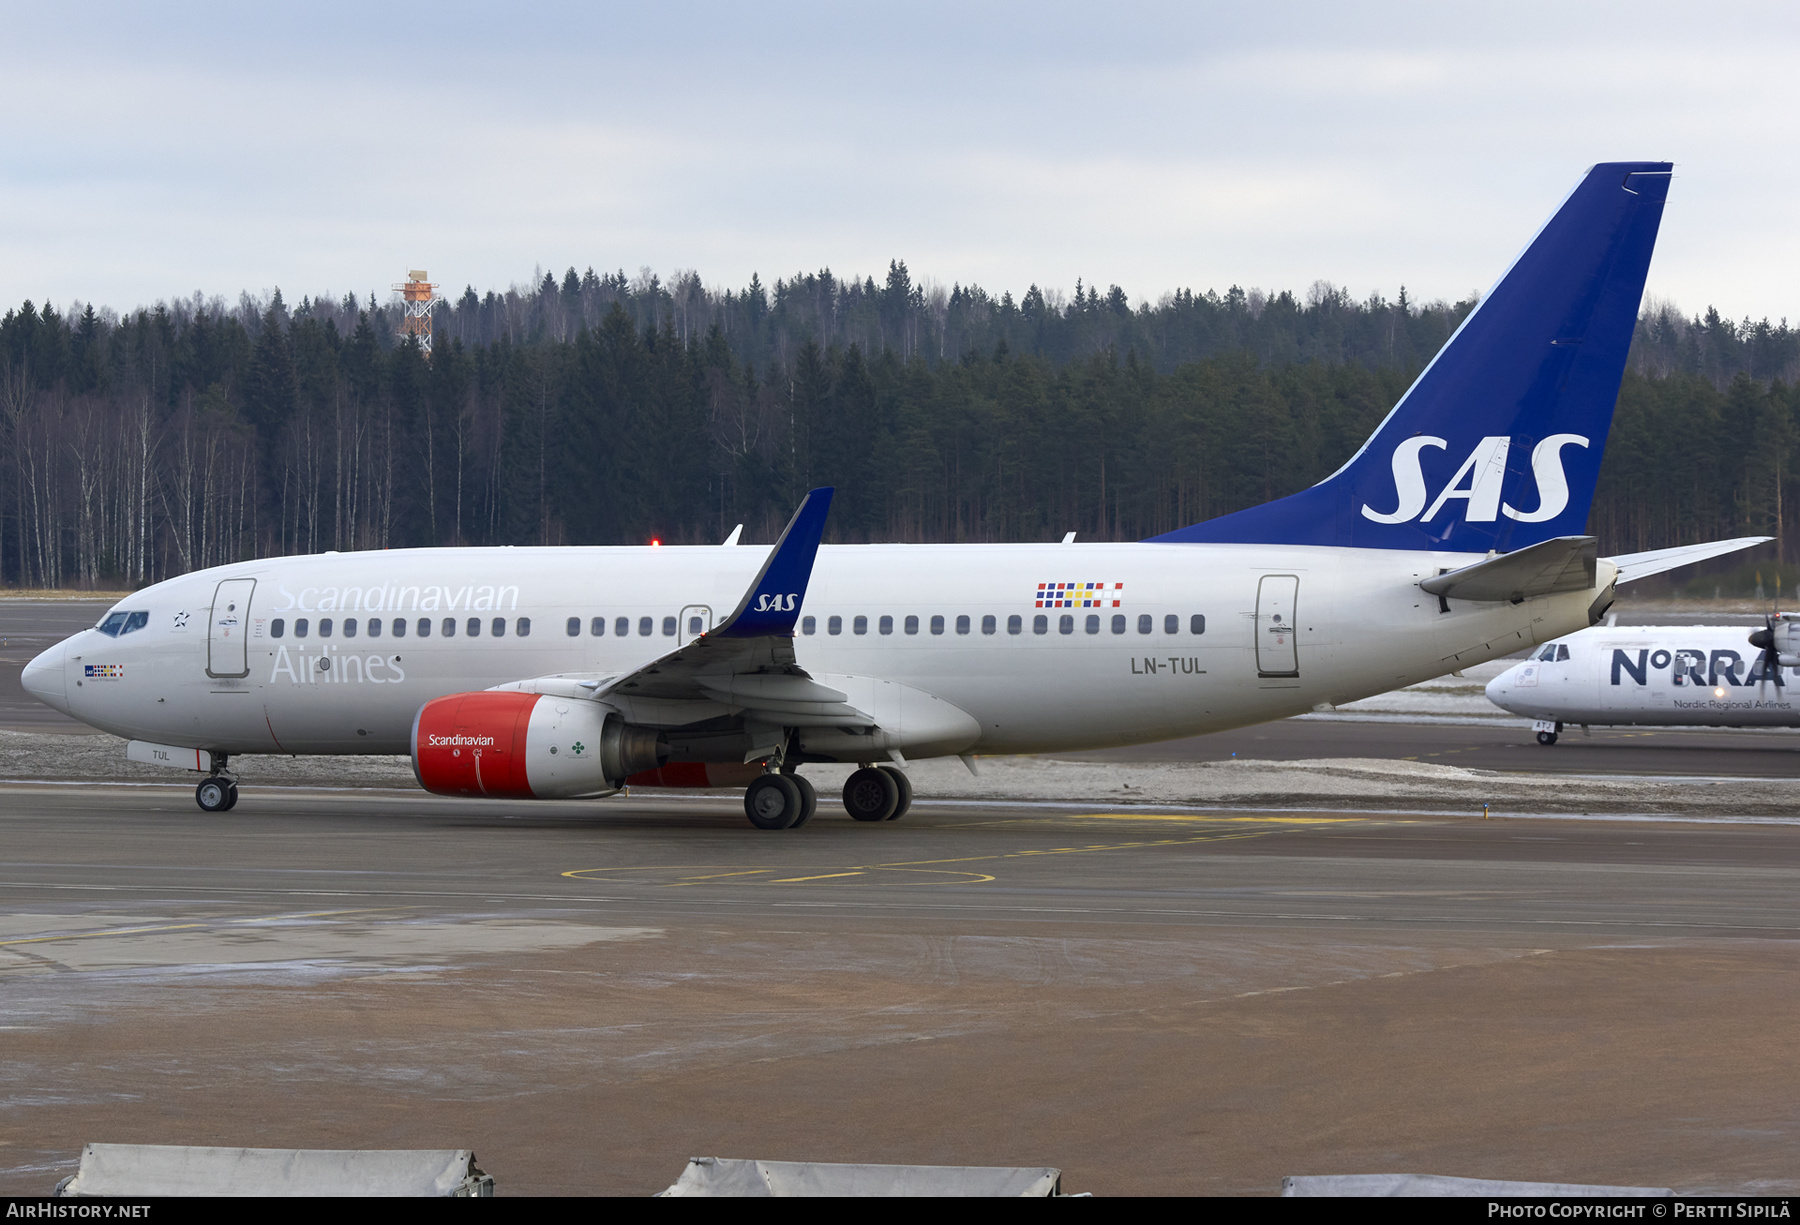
1562 653
123 623
1548 654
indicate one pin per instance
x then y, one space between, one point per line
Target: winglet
772 605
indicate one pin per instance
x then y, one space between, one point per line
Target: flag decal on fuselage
1079 595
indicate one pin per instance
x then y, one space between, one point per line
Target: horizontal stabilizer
1634 566
1563 564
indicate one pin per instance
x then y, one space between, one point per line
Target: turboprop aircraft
1453 536
1657 676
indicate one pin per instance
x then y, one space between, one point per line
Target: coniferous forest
602 409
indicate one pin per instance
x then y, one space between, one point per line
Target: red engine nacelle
510 745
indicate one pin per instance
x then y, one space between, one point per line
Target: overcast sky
150 151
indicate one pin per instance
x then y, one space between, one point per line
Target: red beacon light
655 543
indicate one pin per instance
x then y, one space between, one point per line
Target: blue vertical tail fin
1497 445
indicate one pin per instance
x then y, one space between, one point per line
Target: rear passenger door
1277 646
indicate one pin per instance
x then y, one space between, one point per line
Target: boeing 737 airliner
1453 536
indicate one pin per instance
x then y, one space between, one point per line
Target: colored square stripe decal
1080 595
103 672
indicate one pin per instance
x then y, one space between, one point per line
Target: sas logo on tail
1478 481
776 603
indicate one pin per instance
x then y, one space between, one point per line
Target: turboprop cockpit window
1562 653
123 623
1548 654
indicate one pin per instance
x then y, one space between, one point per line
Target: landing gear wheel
231 799
809 799
1546 738
215 794
905 785
773 802
871 795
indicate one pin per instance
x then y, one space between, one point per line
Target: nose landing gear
216 793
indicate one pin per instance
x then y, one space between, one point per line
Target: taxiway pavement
588 994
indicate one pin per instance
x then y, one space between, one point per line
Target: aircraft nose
1496 688
45 678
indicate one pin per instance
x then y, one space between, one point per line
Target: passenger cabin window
596 627
399 627
524 627
277 628
962 625
621 626
1197 624
1118 626
990 626
448 628
834 625
1015 624
497 627
668 627
324 627
349 627
473 627
912 625
1143 623
860 625
374 627
300 625
1066 623
808 626
937 625
1093 623
1040 624
697 625
887 625
646 626
573 626
1171 624
424 627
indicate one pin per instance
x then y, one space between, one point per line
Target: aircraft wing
1634 566
748 660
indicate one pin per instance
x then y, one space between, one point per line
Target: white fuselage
1685 675
1286 628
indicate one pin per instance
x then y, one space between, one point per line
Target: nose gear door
228 629
1277 651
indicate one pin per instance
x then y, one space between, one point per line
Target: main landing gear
877 793
788 801
780 801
